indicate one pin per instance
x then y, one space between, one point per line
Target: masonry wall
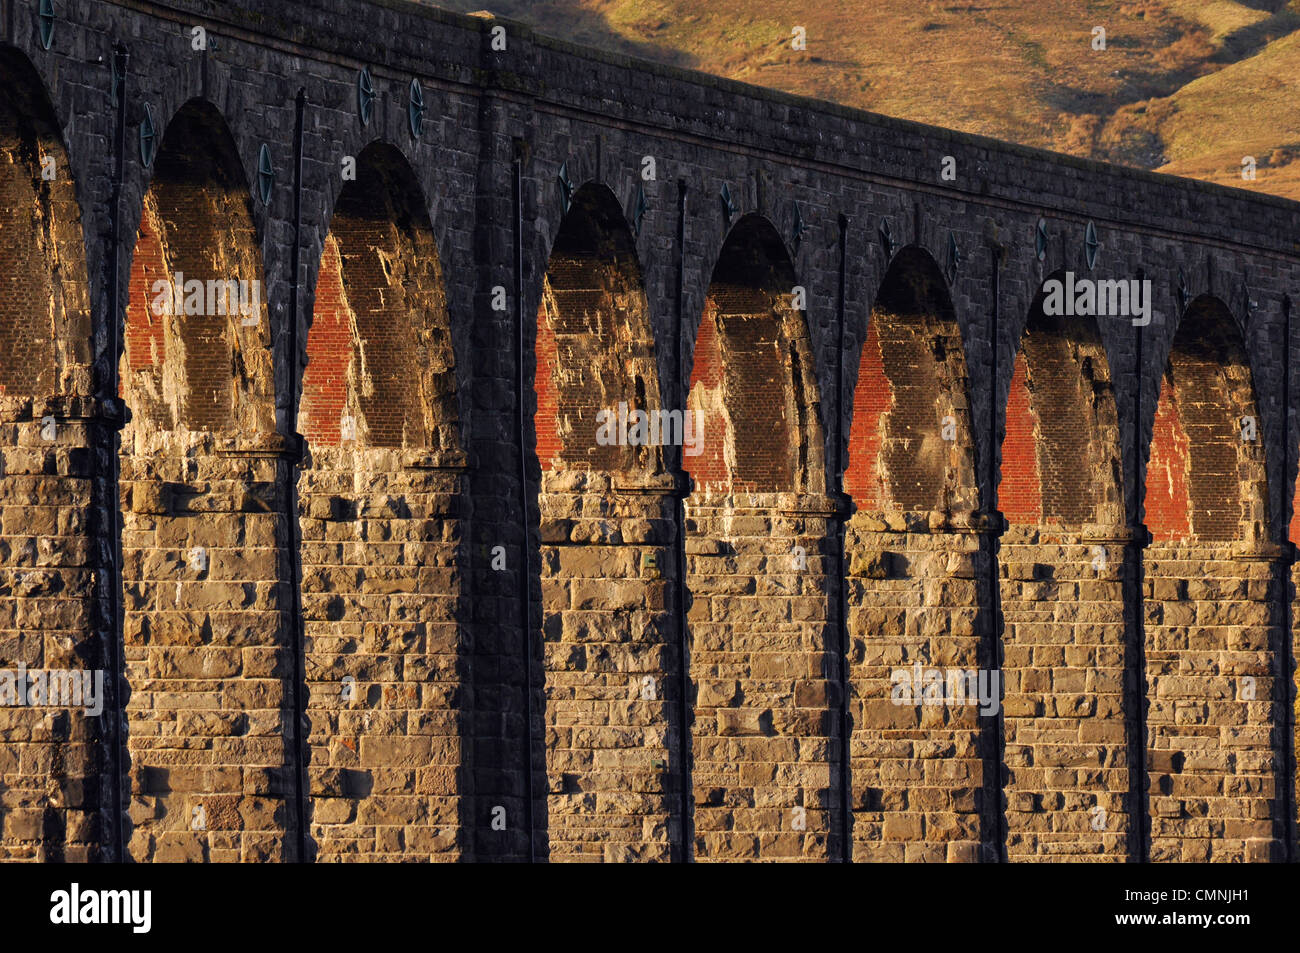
1062 566
381 509
764 738
479 685
385 657
609 627
914 562
52 606
206 597
1212 730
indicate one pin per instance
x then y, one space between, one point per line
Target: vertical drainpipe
993 735
1140 539
681 491
113 503
292 467
525 562
1287 655
843 510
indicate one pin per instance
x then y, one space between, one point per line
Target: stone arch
1061 461
911 380
381 514
44 307
753 363
605 523
758 525
205 599
1204 481
51 790
594 345
196 355
1212 714
914 569
1062 562
379 346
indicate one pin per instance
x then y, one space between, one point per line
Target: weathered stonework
381 537
1063 563
382 508
365 585
53 597
610 645
1212 733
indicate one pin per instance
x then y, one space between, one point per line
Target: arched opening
1205 474
914 576
909 447
1211 716
44 303
196 356
591 294
1062 561
758 524
202 475
753 363
380 513
605 510
49 600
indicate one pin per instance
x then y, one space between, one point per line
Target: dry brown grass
1188 86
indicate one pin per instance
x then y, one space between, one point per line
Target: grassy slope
1188 86
1248 108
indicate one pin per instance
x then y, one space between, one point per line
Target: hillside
1184 86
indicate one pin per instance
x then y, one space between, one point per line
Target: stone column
1213 739
56 694
209 647
917 758
764 662
1064 664
383 610
612 666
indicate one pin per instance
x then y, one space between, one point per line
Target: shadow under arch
403 388
45 321
922 695
753 355
911 446
205 600
1065 561
608 701
1061 452
56 797
381 511
1212 639
764 661
1207 386
593 290
197 225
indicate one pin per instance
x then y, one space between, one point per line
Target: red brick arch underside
44 315
910 439
752 387
380 369
202 371
1204 480
1061 461
594 346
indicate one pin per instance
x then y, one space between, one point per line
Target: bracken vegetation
1188 87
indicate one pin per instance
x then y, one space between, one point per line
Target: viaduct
327 334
